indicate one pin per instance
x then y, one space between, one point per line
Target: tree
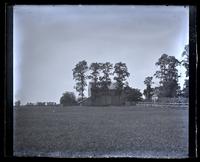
169 89
132 94
17 103
121 73
185 90
41 103
68 99
148 92
94 75
185 63
168 75
161 74
105 80
95 69
79 74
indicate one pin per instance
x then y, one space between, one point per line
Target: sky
50 40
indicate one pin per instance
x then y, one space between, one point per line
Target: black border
9 81
192 81
2 74
7 65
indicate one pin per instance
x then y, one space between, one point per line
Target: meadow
113 131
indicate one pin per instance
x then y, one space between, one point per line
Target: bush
68 99
17 103
133 94
41 103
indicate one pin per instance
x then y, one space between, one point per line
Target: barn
103 97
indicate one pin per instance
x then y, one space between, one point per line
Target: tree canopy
121 74
105 80
168 75
185 63
148 92
68 99
133 94
95 69
79 75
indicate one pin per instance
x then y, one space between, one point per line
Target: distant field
101 131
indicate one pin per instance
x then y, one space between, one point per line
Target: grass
101 131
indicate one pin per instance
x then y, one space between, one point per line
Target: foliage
148 81
169 89
68 99
41 103
185 90
121 73
148 92
132 94
185 61
105 80
79 74
94 75
168 75
17 103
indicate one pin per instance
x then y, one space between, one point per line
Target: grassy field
101 132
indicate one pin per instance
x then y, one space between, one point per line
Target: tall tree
185 90
185 63
120 75
105 80
168 75
79 75
95 69
148 92
162 62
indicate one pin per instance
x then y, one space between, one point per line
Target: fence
148 104
172 100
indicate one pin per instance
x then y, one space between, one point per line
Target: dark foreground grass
101 132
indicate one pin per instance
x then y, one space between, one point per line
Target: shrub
68 99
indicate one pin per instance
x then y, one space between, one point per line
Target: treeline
168 76
100 75
103 74
18 103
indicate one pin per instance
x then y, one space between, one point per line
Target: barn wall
106 98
